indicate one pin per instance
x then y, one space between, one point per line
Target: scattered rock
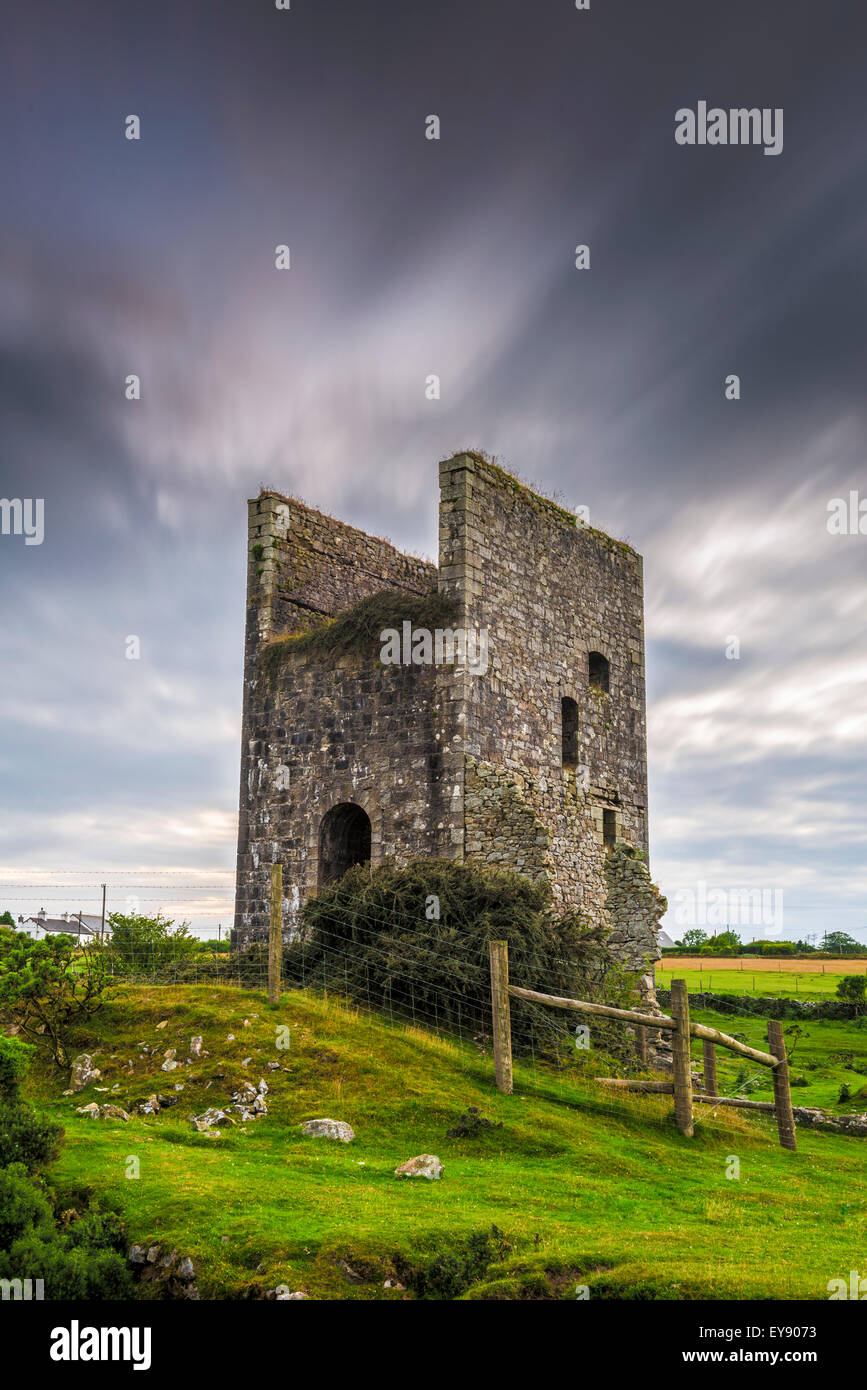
196 1048
151 1106
169 1064
102 1112
113 1112
175 1276
83 1072
394 1284
329 1129
210 1118
164 1023
822 1119
230 1037
290 1297
422 1166
248 1101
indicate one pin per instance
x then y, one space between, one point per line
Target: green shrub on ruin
413 942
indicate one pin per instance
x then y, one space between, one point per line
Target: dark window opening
600 671
609 828
569 719
344 840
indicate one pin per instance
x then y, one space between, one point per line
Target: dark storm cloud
456 258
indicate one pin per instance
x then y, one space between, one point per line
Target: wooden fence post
502 1025
782 1093
709 1053
680 1056
641 1043
275 940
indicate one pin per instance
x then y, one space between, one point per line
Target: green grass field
587 1187
823 1054
786 984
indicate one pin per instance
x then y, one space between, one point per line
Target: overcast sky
411 257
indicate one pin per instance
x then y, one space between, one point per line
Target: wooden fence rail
682 1031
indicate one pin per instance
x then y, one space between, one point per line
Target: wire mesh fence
441 985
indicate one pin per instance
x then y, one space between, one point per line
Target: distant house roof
664 939
69 925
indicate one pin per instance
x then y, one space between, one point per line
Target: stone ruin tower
537 765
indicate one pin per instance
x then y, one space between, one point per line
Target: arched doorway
344 840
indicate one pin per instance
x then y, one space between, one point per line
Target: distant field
735 976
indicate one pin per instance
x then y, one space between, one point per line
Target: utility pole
102 927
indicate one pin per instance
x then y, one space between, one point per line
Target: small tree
840 943
6 919
692 940
48 987
853 989
141 943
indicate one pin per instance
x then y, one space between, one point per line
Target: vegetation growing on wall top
533 494
357 629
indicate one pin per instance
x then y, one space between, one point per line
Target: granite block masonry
538 765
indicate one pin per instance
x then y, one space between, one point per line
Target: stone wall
634 906
319 733
549 591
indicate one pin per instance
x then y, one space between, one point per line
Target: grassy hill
584 1187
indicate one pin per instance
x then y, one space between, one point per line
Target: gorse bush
79 1255
413 941
25 1137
